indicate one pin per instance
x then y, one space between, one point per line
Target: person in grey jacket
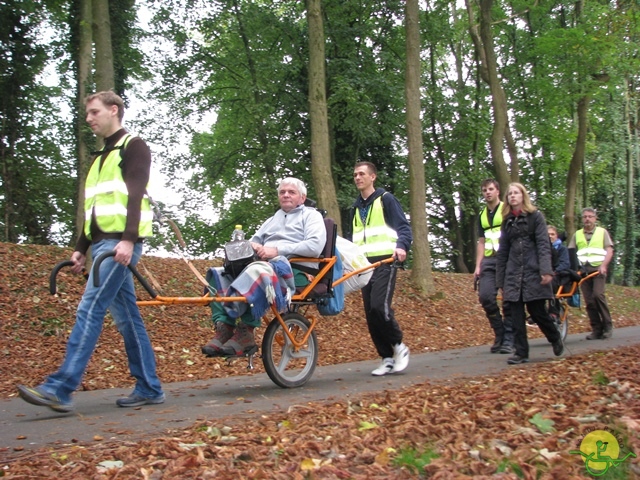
524 271
294 231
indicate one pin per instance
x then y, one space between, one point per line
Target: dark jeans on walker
538 311
487 294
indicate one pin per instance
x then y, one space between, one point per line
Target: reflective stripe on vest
374 237
491 232
107 196
593 251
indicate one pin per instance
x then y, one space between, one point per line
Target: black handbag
238 254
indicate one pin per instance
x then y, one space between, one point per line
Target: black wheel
286 367
563 326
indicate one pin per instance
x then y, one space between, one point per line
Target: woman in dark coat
524 271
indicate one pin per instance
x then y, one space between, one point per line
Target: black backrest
332 234
329 251
325 285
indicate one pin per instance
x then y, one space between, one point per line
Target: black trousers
538 311
487 294
377 296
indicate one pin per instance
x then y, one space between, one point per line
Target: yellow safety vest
491 232
374 237
106 196
593 251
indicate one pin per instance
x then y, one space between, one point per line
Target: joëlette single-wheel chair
564 293
289 349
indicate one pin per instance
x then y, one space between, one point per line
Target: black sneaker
508 349
135 400
558 347
37 396
594 336
517 360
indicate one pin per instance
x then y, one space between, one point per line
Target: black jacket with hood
524 255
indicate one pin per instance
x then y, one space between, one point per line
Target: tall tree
320 150
482 36
32 168
632 160
82 35
421 269
104 69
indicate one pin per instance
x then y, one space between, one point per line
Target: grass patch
600 378
414 460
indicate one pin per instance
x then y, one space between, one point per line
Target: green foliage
506 465
545 425
414 460
600 378
35 174
229 110
52 327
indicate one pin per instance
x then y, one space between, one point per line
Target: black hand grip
141 279
54 273
398 264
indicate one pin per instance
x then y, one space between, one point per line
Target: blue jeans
116 293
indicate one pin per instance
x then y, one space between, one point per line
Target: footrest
252 351
249 354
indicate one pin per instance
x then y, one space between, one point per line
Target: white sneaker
400 357
385 367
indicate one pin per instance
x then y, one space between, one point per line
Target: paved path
189 402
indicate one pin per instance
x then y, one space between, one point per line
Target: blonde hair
527 206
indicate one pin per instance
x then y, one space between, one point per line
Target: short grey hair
299 184
589 210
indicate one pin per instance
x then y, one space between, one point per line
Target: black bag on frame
238 254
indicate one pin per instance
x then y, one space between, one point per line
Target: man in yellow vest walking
381 230
117 218
489 228
594 249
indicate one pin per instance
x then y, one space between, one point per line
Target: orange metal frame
305 296
562 295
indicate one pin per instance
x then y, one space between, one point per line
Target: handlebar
576 282
96 273
54 273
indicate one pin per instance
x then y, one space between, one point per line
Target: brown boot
224 332
243 341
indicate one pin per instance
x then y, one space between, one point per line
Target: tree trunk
320 150
105 76
483 41
85 63
421 268
630 219
577 160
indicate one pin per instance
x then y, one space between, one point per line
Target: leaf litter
519 424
